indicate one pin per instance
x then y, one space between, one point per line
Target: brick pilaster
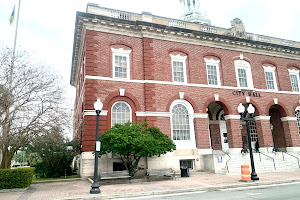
264 132
291 131
202 133
233 131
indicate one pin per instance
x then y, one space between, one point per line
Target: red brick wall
150 59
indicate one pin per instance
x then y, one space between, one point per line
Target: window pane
181 124
294 82
242 77
212 75
178 71
121 66
270 80
120 113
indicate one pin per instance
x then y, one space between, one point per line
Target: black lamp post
244 150
275 149
243 113
95 186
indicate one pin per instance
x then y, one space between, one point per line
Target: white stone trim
201 115
153 114
205 151
216 97
293 71
284 119
93 112
293 149
269 68
232 117
181 95
122 92
248 99
120 50
275 101
184 84
262 118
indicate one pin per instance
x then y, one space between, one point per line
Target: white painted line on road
163 195
257 186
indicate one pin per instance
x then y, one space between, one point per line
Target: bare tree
31 102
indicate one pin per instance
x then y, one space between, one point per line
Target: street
290 191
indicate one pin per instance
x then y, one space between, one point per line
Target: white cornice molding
293 71
269 68
178 57
262 118
227 117
92 112
284 119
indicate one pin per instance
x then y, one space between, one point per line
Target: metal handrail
292 156
268 157
227 160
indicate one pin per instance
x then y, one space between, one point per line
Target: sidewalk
196 182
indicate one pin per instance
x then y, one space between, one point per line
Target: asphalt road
289 191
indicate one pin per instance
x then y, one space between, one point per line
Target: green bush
16 178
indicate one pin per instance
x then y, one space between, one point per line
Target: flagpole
15 42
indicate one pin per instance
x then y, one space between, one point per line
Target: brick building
187 78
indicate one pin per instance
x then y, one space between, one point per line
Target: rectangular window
242 74
294 82
187 163
120 66
178 71
270 80
212 75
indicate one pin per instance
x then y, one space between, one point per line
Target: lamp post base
95 188
254 176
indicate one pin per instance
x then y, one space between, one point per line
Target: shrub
16 178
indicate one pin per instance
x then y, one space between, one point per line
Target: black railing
227 160
268 157
290 155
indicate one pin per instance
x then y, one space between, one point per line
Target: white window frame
179 58
272 70
121 52
215 63
184 144
111 124
296 73
241 64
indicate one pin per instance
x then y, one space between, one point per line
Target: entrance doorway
223 131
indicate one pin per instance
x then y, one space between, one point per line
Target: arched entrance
276 112
217 126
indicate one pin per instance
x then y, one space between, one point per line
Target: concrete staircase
264 162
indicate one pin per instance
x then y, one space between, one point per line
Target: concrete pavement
77 189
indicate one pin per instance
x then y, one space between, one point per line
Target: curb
57 180
178 191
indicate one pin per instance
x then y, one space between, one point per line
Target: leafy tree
31 102
132 141
54 152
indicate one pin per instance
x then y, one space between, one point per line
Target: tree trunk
6 160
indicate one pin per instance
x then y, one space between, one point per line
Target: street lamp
244 150
243 112
275 149
98 105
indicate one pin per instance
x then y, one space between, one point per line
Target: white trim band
232 117
201 115
284 119
93 112
262 118
153 114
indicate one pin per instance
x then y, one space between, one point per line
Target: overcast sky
46 27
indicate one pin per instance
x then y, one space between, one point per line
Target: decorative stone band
288 119
232 117
93 112
168 114
262 118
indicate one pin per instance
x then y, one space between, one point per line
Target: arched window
297 114
120 113
181 124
